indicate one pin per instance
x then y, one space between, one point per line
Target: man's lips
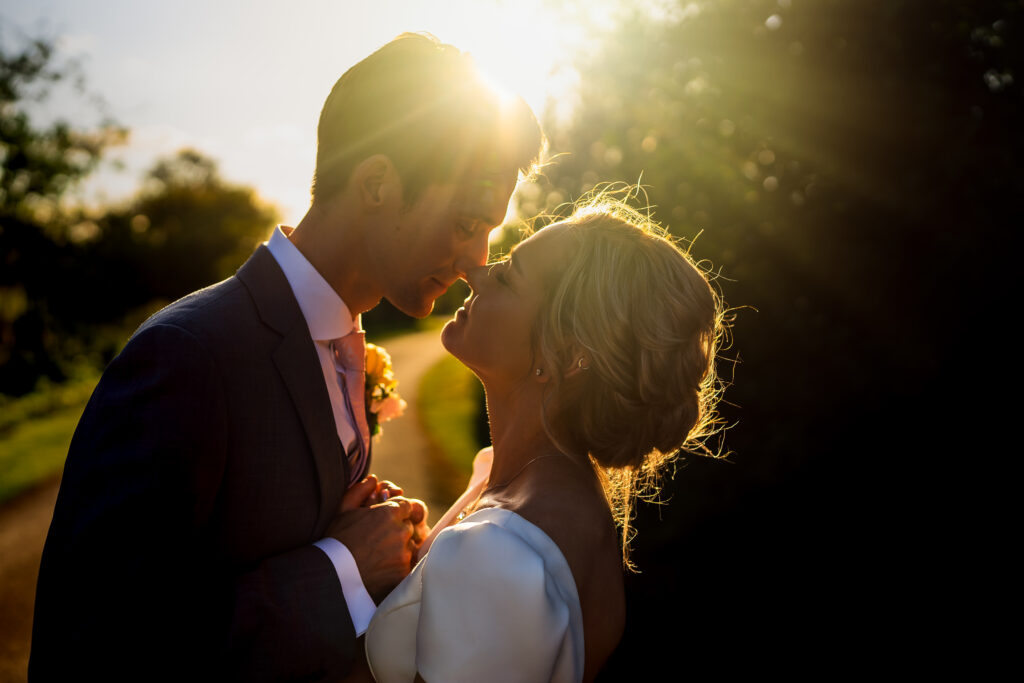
442 284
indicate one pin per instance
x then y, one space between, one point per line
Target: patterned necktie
350 362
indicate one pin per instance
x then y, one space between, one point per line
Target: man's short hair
423 104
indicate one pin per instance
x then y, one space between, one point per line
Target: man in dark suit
214 520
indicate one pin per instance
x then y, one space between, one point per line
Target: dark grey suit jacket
205 465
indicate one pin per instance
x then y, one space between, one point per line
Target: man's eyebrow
481 215
481 211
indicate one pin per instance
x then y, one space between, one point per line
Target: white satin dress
493 600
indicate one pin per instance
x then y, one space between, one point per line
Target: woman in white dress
595 343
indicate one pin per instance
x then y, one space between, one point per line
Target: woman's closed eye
497 270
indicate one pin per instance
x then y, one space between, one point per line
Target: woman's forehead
546 248
546 237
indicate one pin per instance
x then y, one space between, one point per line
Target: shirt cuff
360 605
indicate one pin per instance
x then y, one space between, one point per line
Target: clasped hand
383 530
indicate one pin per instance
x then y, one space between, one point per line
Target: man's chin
423 313
414 309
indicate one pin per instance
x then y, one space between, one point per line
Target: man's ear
376 183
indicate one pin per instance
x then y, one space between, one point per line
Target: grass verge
449 419
35 450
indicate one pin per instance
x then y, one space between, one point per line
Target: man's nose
473 255
475 277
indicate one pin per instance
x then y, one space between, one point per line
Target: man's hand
387 490
380 537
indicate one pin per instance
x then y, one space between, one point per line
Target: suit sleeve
133 580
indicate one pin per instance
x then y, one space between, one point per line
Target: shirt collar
326 314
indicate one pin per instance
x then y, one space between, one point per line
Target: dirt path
399 455
23 525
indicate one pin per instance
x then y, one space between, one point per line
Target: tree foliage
830 156
851 168
68 272
186 229
38 164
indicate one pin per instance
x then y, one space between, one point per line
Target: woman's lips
463 310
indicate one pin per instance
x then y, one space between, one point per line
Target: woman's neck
517 430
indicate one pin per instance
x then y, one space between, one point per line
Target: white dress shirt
328 318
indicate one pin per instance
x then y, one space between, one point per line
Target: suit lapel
296 360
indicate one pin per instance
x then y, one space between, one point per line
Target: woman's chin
449 333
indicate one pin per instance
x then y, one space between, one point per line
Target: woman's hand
481 466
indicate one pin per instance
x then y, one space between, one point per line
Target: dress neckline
554 558
393 638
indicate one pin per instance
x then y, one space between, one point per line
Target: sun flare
523 48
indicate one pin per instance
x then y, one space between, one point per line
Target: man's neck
334 248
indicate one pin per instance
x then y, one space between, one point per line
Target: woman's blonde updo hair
648 324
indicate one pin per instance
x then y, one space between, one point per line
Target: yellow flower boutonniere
382 400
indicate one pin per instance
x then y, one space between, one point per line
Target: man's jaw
437 287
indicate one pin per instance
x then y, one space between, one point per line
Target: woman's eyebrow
514 262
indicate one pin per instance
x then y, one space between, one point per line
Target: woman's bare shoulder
579 520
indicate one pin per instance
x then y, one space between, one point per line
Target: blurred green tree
38 164
69 274
812 146
186 229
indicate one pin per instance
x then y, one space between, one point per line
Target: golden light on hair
647 316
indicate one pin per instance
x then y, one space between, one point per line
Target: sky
244 82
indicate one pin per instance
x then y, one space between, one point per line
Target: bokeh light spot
140 223
85 231
554 200
696 86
